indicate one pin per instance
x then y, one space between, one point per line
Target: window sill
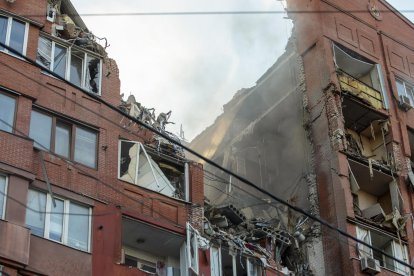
13 55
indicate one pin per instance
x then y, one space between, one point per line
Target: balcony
359 89
15 242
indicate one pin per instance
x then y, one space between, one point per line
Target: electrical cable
209 161
141 202
184 13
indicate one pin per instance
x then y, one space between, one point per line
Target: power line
187 13
142 202
209 161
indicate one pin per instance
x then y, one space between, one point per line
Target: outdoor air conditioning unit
405 102
370 265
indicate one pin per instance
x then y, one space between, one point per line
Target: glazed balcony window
64 138
360 77
67 222
139 166
7 112
3 190
405 93
13 33
387 244
72 63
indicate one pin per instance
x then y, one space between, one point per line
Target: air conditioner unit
405 102
370 265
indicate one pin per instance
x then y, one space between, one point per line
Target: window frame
219 264
8 34
56 120
65 222
6 186
405 83
15 98
68 58
370 254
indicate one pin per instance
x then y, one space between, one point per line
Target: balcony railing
361 90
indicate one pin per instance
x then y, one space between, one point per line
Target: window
192 248
51 133
215 261
3 190
67 222
71 63
360 77
405 90
7 111
13 34
386 244
153 172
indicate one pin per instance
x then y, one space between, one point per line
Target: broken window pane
137 166
41 130
93 74
44 52
7 110
76 67
215 261
150 176
17 35
128 161
3 30
59 62
85 147
62 139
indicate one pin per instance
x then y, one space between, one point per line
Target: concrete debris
264 239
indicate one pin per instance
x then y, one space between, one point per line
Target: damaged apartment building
85 188
330 129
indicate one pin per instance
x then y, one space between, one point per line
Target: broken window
153 172
44 127
405 93
388 245
215 261
253 269
228 263
70 62
367 143
7 112
192 248
360 77
377 196
13 34
93 74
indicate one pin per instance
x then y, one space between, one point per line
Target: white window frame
68 63
399 268
8 34
405 84
66 214
141 147
220 273
252 265
192 243
3 213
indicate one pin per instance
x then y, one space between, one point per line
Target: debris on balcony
68 25
266 240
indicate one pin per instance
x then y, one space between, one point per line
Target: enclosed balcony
360 77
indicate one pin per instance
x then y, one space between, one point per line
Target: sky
191 64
